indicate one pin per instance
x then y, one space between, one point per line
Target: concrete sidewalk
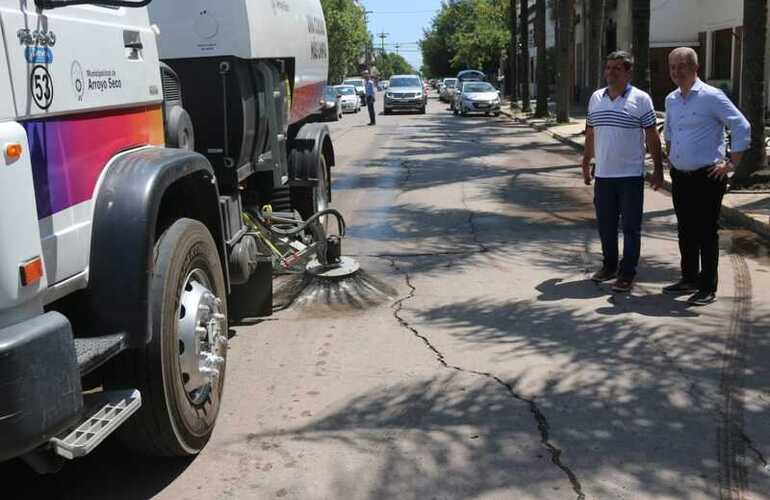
747 209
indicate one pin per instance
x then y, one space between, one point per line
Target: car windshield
359 83
346 90
405 82
331 93
478 87
450 83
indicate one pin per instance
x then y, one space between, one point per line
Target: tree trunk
541 109
753 85
513 54
524 46
595 56
564 79
640 20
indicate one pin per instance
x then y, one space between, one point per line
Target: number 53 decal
41 86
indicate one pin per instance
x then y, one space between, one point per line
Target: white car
477 97
360 86
349 99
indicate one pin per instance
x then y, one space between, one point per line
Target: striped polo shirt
619 124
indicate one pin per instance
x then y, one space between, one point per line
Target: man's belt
697 171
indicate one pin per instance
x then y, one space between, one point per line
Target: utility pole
368 43
382 37
397 45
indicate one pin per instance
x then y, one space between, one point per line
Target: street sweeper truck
159 159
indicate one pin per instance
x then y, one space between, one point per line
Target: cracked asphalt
473 358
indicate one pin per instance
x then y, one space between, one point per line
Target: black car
331 107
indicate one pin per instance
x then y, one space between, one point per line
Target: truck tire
181 372
309 200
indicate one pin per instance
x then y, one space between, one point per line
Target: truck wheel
181 372
309 200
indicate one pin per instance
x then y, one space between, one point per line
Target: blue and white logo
39 55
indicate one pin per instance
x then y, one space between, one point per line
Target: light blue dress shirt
695 127
369 88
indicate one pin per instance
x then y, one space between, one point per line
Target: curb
730 216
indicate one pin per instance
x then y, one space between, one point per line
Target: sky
403 21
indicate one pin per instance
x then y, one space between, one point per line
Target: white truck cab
123 179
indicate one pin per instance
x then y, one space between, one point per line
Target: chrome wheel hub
202 327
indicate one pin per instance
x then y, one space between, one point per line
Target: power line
399 12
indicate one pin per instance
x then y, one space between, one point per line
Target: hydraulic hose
283 224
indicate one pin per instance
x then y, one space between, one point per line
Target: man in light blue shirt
370 93
696 117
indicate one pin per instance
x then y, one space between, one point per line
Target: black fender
312 140
128 219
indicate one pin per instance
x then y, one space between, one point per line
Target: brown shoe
603 275
623 285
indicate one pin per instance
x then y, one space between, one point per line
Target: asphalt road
473 358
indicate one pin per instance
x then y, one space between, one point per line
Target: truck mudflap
39 383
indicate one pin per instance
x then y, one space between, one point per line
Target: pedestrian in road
621 120
696 117
370 93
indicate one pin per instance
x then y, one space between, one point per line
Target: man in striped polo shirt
621 120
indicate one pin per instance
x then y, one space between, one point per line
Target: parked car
477 97
349 99
331 104
405 92
359 84
385 84
447 89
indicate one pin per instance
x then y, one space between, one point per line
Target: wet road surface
474 358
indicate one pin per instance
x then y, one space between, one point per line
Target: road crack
472 224
543 425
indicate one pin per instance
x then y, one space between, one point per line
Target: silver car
477 97
447 89
405 92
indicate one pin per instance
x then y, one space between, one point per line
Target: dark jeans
697 203
616 199
370 107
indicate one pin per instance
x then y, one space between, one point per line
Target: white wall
676 21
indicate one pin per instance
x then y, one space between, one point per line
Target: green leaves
392 64
466 34
347 37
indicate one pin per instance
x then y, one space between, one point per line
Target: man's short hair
688 53
622 55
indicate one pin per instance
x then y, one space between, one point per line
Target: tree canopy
347 37
388 64
466 34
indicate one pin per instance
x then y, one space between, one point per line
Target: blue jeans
620 199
